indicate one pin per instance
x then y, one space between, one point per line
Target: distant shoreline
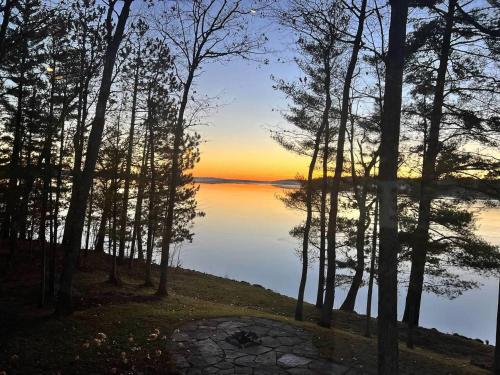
215 180
459 188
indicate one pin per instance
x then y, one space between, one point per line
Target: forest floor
126 328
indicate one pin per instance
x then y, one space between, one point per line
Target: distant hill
216 180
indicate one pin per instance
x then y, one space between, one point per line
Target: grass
137 325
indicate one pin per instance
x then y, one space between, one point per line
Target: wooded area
98 139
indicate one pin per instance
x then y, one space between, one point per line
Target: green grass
31 341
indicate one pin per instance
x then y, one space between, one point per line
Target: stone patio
201 347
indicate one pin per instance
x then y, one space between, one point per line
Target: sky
236 140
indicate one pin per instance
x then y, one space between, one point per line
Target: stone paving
202 347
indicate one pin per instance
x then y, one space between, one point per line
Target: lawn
126 328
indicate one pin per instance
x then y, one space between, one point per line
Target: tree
318 26
429 175
326 311
135 69
387 190
137 224
496 365
200 32
362 185
76 213
460 113
23 67
373 256
6 9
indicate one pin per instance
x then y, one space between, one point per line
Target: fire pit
244 339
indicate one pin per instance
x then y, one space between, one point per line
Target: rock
268 359
230 325
208 348
289 340
270 342
256 349
224 365
300 371
210 370
243 370
292 360
248 360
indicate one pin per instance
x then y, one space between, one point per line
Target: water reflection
244 236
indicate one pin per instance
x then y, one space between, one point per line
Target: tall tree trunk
78 138
76 211
322 223
372 271
89 219
360 197
496 365
419 253
22 213
113 275
123 218
389 153
106 213
46 186
309 193
326 311
151 205
172 185
7 11
137 230
53 254
350 300
8 230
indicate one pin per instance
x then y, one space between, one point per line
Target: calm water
244 236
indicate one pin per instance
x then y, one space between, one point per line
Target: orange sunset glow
266 162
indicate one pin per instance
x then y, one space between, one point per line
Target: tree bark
7 11
46 186
20 216
76 212
322 222
106 212
419 251
113 275
309 192
53 254
372 271
496 365
126 189
326 311
8 230
89 219
360 195
151 204
137 230
389 153
78 138
172 185
350 300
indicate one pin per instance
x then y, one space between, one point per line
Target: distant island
216 180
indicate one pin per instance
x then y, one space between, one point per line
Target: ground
127 329
249 345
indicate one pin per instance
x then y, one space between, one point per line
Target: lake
244 236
